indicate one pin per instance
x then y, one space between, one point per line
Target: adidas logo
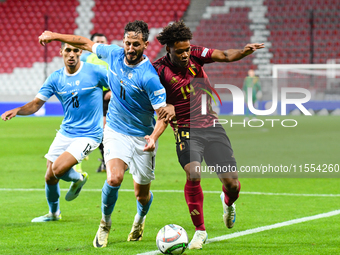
194 212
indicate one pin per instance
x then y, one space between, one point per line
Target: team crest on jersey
193 70
130 75
121 82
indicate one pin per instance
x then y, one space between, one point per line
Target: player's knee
115 180
231 184
57 170
50 179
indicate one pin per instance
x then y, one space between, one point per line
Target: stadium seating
287 22
21 24
23 21
225 31
290 30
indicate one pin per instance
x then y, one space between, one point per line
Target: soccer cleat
229 213
102 166
100 240
200 237
137 231
75 188
47 217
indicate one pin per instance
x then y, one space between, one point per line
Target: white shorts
130 150
79 147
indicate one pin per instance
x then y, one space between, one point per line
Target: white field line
261 229
181 191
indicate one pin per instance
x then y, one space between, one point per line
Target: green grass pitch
263 201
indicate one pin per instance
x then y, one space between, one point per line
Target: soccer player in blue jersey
131 133
79 88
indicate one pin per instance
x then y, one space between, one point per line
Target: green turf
315 140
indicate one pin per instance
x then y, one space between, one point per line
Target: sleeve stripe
157 106
94 48
42 97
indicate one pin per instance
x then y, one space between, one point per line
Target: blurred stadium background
294 31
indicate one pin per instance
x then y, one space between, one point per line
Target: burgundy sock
194 197
231 197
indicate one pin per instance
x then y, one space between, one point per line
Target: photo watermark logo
239 104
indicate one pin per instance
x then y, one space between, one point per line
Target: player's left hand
167 112
46 37
251 47
151 145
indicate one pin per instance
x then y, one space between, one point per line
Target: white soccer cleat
47 217
200 237
75 188
229 213
137 231
100 240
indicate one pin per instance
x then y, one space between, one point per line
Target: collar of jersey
140 63
73 74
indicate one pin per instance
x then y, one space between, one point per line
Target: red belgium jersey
185 86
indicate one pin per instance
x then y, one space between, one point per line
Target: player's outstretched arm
78 41
27 109
160 126
234 55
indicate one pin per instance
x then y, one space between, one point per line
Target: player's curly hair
138 26
175 32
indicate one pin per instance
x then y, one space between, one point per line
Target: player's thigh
81 147
142 165
221 156
117 145
58 147
189 147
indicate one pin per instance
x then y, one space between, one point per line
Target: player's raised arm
27 109
235 54
74 40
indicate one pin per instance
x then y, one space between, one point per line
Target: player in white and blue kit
131 133
78 86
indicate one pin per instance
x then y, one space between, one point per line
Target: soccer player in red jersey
197 136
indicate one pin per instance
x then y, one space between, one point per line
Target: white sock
106 218
56 214
139 219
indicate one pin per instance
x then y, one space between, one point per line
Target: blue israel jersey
81 96
136 92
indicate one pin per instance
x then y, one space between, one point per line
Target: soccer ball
172 239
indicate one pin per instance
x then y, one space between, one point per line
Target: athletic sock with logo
109 198
194 197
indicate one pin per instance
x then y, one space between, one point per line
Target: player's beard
135 61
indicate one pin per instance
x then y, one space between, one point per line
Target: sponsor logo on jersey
205 51
159 92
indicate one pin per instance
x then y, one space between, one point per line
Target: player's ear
167 49
61 51
146 45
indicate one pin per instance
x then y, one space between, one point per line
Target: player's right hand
8 115
46 37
